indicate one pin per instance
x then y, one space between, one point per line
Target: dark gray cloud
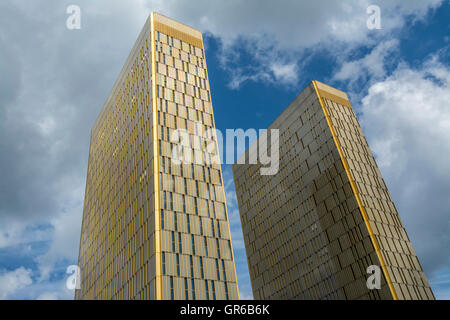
54 83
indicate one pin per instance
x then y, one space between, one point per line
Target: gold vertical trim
355 191
221 179
158 258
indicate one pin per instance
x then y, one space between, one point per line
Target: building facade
314 229
154 228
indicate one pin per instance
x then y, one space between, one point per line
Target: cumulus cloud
372 66
407 122
275 33
12 281
290 23
65 242
285 73
54 83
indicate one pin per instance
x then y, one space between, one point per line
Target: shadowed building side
312 230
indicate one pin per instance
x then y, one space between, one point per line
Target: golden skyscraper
152 228
325 223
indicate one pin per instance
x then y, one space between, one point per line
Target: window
217 269
164 263
201 268
193 289
223 271
218 247
171 288
173 241
196 187
226 291
207 289
218 230
164 200
213 289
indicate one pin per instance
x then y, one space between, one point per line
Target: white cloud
371 66
245 296
277 33
46 290
14 233
406 119
441 285
285 73
48 296
12 281
48 103
292 23
65 242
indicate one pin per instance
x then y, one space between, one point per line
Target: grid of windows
403 265
117 247
304 232
192 194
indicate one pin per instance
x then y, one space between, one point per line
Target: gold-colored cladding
334 97
165 25
161 27
338 98
158 258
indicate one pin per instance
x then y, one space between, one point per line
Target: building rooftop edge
321 86
175 23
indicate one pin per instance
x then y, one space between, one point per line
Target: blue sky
55 81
